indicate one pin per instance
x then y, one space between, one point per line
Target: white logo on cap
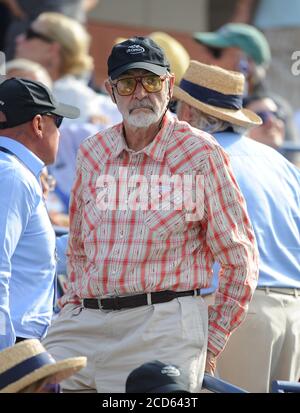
170 371
135 49
1 102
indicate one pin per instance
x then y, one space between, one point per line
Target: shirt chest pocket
92 214
166 224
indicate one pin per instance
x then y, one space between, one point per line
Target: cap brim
158 70
67 111
211 39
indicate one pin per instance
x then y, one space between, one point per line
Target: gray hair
28 66
210 124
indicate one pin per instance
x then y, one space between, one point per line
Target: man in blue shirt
266 346
29 121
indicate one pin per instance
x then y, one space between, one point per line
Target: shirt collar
28 158
155 150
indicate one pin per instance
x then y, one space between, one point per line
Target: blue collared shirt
27 247
271 187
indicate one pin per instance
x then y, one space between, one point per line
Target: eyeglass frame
262 115
57 118
30 33
138 80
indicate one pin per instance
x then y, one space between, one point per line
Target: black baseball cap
157 377
22 99
137 53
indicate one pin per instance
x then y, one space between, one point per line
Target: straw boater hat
216 92
28 361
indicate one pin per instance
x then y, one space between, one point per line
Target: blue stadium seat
281 386
216 385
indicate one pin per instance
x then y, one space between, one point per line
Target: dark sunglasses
127 85
265 115
216 52
32 34
57 118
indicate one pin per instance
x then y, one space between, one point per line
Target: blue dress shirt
271 187
27 247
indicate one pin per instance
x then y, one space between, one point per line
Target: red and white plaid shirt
124 251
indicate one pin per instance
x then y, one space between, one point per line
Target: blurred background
111 19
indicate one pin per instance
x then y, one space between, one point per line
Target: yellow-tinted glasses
151 83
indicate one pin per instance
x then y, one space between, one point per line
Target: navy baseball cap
157 377
137 53
22 99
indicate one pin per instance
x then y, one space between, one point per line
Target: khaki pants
116 342
266 346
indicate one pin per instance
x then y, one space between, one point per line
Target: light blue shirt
271 187
277 13
27 247
61 249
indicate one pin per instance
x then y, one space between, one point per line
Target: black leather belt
117 303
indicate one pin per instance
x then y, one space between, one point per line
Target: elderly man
29 121
211 100
138 257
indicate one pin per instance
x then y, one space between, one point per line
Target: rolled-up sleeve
76 257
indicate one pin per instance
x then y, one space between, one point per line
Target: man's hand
211 363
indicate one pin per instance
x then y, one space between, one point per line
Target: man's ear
38 124
185 112
171 85
110 90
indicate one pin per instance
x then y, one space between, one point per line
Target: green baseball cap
247 38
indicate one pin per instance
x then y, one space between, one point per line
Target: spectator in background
5 18
280 22
29 121
278 124
243 48
266 346
239 47
23 12
28 69
61 45
272 130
